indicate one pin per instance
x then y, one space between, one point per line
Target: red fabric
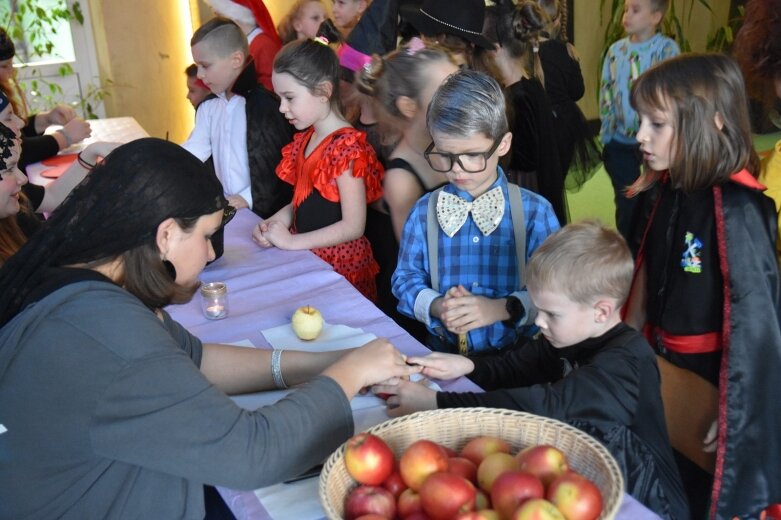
263 18
57 165
744 177
773 512
726 330
343 149
692 344
355 261
263 49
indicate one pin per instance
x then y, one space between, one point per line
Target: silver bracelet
276 370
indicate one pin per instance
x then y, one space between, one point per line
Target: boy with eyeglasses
463 248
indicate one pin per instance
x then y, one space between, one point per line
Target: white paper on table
332 337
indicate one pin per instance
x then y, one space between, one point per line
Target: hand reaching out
443 366
76 130
95 152
59 115
368 365
407 397
462 311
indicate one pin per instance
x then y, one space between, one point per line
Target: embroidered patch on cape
691 260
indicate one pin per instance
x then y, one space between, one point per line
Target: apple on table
307 322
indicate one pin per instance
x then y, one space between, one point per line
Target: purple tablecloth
265 287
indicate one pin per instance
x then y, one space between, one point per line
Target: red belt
689 344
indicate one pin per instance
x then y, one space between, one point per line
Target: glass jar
214 300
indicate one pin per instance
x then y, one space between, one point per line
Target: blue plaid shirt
485 265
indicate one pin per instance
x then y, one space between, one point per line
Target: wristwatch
515 310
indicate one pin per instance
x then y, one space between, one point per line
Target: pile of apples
482 482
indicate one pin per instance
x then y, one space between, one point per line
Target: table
111 129
265 286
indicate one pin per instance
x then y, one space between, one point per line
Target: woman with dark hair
112 409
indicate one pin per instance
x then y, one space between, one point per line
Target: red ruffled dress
316 201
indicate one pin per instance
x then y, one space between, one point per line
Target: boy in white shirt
239 127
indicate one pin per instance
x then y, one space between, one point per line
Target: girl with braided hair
111 409
534 161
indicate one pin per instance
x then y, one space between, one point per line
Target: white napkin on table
332 337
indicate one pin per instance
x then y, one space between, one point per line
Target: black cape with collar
606 386
267 133
748 469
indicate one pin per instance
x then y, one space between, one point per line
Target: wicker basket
454 427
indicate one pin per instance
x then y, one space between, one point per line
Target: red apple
513 488
492 466
369 460
544 462
418 515
537 509
419 460
409 503
445 495
450 451
365 500
480 447
395 484
464 467
483 514
576 496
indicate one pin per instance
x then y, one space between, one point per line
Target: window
55 53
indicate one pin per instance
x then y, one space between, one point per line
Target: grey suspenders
519 229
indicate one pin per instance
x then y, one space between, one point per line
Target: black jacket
267 133
608 387
748 475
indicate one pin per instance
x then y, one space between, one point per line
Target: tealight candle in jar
214 300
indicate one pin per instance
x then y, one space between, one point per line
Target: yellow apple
307 322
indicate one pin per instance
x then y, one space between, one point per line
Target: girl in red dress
334 171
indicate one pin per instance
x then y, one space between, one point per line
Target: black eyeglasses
470 162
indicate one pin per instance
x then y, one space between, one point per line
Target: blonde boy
588 369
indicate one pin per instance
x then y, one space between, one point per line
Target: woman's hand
443 366
370 364
407 397
59 115
76 130
95 152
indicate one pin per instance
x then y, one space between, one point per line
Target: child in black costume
588 369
